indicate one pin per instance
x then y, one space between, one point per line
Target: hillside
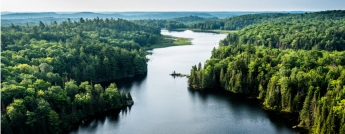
291 67
239 22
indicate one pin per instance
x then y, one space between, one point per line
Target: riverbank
291 119
171 41
206 31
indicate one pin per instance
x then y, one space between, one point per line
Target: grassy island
171 41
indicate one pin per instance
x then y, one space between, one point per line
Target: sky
169 5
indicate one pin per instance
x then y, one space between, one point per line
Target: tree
305 112
54 122
45 68
112 96
41 84
10 92
15 112
72 89
41 24
32 121
5 125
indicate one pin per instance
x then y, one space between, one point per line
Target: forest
33 18
239 22
50 72
174 23
164 24
291 66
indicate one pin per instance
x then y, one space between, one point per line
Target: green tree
54 122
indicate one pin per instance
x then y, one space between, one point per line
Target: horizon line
174 11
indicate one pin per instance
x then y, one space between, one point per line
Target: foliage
239 22
167 24
302 73
316 35
174 23
90 50
48 71
191 18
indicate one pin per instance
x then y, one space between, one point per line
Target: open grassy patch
171 41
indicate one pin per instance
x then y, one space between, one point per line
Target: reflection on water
163 104
245 107
127 83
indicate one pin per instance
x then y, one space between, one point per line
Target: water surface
165 105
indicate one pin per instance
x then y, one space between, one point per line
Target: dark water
165 105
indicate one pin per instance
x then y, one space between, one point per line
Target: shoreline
290 118
169 41
204 30
96 115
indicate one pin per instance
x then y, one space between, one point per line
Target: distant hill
174 23
241 21
27 15
189 19
59 15
3 13
23 18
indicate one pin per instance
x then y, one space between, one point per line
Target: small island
174 74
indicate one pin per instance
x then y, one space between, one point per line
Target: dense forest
31 18
239 22
293 67
174 23
191 18
49 73
166 24
293 63
308 35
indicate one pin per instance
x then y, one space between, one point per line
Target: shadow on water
127 83
126 110
236 100
94 121
112 116
241 103
91 123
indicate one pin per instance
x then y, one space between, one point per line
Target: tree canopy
296 66
242 21
49 72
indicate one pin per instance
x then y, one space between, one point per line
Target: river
165 105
